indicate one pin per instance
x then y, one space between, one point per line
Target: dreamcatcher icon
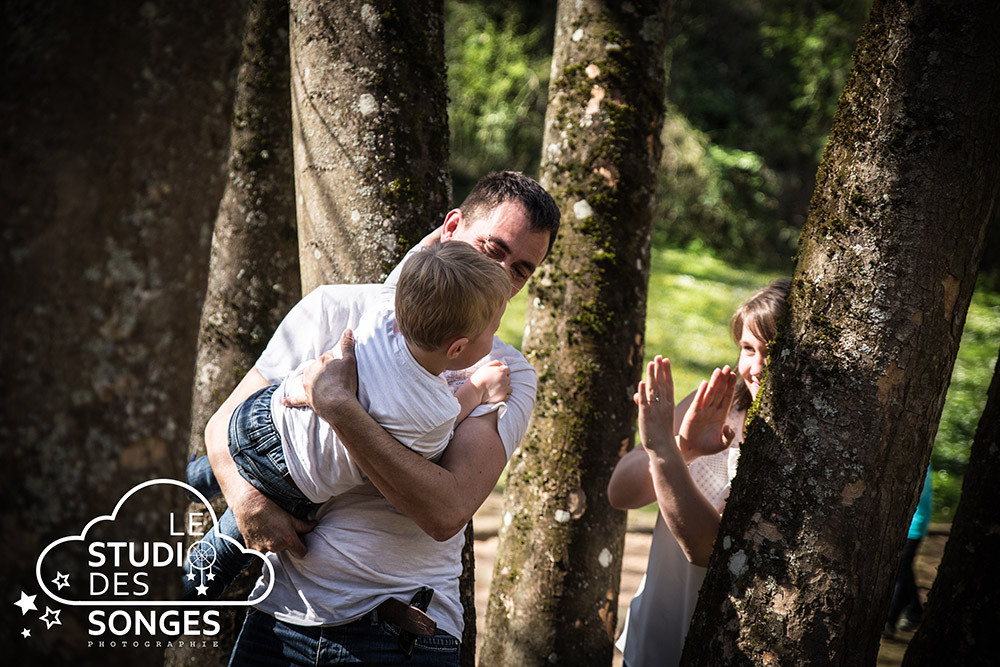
201 557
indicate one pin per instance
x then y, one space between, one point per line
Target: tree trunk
961 613
369 122
253 274
555 583
836 452
115 124
370 131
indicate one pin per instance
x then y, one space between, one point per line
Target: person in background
905 600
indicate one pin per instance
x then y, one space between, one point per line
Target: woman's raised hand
704 430
655 399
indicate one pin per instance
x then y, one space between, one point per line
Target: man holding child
382 554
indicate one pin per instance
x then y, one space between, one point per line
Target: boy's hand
704 430
492 381
655 399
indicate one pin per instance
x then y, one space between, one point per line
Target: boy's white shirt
418 409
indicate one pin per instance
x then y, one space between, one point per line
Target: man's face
505 237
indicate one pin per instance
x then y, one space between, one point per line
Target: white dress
659 615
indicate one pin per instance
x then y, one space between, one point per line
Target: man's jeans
214 562
265 641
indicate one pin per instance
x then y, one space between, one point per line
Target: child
686 464
448 303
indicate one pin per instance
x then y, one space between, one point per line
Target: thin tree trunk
963 607
555 583
369 102
370 131
836 452
253 274
115 120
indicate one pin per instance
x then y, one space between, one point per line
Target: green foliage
498 71
753 89
692 295
720 198
966 399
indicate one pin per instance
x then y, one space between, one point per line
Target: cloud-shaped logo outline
151 603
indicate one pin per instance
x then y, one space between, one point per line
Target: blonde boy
441 316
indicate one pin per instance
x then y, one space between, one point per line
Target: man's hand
329 382
266 527
704 430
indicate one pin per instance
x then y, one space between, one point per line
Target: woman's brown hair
761 314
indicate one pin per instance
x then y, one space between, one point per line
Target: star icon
26 633
202 590
190 576
61 580
54 620
26 603
210 576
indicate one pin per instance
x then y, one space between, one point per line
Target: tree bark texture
555 583
253 275
115 136
370 136
839 442
963 608
369 119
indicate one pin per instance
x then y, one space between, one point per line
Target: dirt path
637 541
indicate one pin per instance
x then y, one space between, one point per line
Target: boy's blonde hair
448 291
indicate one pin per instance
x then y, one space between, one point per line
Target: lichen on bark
556 575
840 440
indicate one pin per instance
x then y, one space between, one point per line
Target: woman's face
753 356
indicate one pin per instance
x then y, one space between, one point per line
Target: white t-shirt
419 411
658 617
363 550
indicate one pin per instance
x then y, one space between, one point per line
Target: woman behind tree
686 463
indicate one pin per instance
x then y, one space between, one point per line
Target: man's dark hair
497 187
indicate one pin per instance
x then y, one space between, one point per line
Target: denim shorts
265 641
256 448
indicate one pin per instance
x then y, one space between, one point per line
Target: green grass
692 296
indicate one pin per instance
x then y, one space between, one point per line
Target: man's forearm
438 497
233 486
264 525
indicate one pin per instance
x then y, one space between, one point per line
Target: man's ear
452 223
456 347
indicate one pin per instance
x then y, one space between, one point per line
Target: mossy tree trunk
115 139
555 583
960 619
369 120
370 135
835 455
253 273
